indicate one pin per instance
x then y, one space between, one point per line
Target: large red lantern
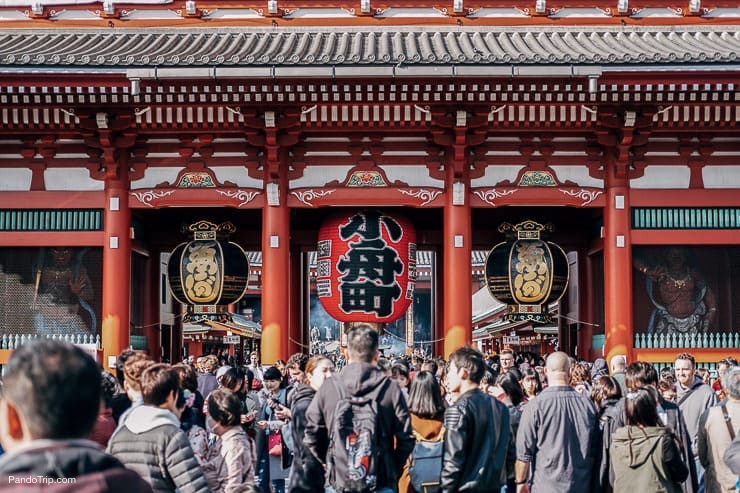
366 268
208 272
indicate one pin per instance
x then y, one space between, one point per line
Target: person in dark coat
51 402
607 395
317 370
362 377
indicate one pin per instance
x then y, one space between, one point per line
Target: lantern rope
305 346
415 342
578 321
161 322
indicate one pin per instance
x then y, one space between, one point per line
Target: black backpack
355 444
425 463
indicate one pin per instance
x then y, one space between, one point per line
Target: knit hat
599 368
220 372
272 373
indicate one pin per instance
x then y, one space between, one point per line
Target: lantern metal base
541 318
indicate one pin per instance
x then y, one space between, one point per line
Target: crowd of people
509 423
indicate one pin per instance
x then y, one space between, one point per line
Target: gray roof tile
124 48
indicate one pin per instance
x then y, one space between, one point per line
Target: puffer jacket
151 443
83 460
478 427
646 459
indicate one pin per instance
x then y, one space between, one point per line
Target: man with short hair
51 400
558 439
150 440
693 397
717 428
296 366
477 441
618 365
506 360
361 378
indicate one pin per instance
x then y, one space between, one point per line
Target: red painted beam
686 237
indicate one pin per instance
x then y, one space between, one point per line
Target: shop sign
511 340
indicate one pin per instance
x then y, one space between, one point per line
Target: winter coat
611 417
477 428
714 438
84 460
362 379
151 443
230 464
207 383
732 455
671 416
304 465
646 460
700 398
429 429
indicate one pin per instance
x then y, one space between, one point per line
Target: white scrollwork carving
307 196
488 196
587 196
243 195
422 194
147 197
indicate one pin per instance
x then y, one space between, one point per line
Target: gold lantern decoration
526 272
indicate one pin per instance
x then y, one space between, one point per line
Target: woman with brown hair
580 379
427 409
644 454
318 370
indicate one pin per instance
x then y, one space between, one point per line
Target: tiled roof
463 47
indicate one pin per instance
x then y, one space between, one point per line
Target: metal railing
12 341
713 340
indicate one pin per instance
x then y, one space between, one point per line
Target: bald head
557 369
558 363
618 363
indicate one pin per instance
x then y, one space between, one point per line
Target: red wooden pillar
617 267
457 293
275 268
116 268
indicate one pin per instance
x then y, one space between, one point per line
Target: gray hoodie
151 443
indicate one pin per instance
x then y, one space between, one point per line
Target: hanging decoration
366 266
208 272
527 273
